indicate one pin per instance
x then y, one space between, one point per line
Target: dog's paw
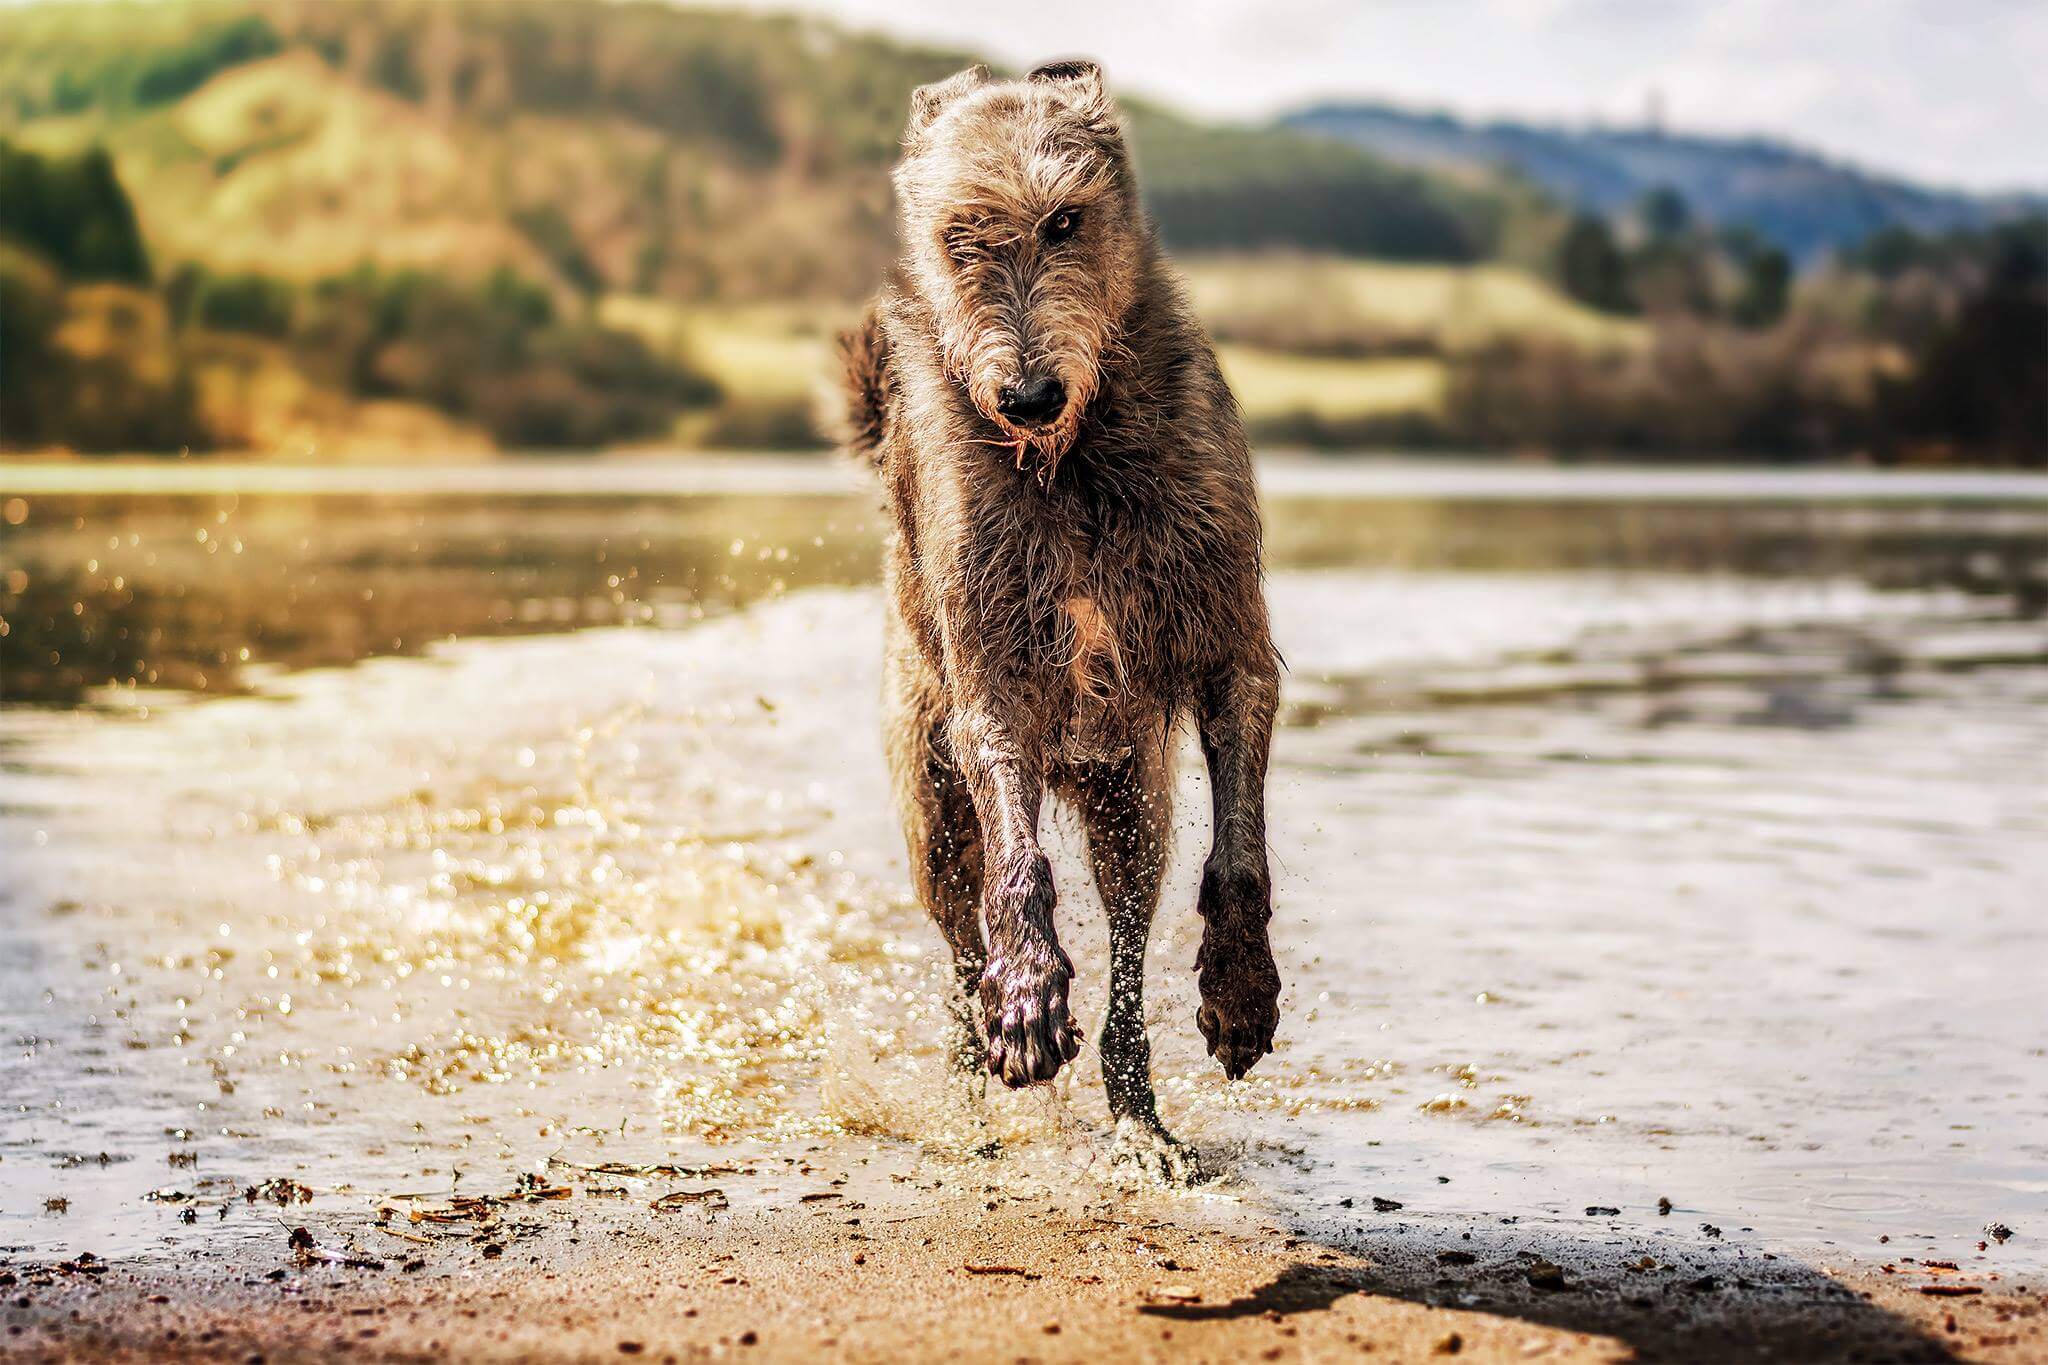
1240 1005
1031 1035
1235 971
1144 1151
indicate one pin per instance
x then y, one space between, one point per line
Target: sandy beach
934 1275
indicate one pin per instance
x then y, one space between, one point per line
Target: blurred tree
73 212
1981 385
1664 214
1766 287
1591 268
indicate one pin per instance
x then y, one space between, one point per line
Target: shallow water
1627 845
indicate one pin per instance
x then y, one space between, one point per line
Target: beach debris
167 1195
1999 1232
383 1225
59 1204
1601 1211
1663 1207
307 1251
712 1198
1450 1345
1177 1293
1711 1231
647 1170
530 1187
1951 1291
481 1209
1452 1256
632 1348
991 1268
279 1190
1543 1274
1380 1205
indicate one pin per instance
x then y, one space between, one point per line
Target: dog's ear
1079 80
927 101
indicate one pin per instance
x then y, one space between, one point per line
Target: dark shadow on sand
1666 1298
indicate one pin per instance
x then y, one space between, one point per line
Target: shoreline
1281 474
955 1274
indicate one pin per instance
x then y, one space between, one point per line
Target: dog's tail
864 351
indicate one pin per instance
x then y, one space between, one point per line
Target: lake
1637 835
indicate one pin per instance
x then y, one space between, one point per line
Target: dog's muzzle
1032 402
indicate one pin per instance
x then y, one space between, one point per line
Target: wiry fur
1062 593
864 352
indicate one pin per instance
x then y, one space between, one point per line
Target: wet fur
1061 597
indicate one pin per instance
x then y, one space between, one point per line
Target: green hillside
636 147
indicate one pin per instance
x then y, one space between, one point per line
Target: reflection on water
196 592
1624 850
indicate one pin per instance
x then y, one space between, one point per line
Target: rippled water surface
1627 845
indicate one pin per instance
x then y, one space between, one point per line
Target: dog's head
1023 231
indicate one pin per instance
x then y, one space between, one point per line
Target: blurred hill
633 146
1799 201
329 228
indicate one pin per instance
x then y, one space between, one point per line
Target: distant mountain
1798 199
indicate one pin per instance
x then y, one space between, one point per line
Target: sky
1948 92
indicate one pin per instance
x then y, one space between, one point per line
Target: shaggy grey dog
1074 568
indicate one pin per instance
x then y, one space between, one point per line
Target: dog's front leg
1240 985
1031 1035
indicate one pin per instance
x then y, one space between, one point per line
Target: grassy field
1272 385
1332 305
1301 338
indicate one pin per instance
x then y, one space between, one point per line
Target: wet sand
954 1276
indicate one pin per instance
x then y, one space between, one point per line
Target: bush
245 302
493 352
1699 390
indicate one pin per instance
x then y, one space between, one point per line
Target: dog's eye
962 246
1062 225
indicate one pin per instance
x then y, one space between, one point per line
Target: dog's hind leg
1126 808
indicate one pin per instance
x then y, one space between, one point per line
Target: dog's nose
1032 400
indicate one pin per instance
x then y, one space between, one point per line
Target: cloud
1945 91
